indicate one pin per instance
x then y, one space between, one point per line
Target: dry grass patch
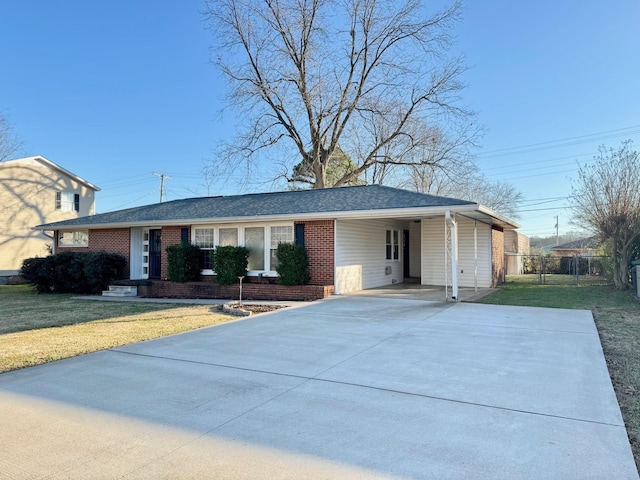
52 327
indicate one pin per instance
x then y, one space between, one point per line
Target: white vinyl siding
360 255
433 248
466 256
433 251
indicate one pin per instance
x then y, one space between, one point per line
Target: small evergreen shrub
39 272
101 268
184 262
74 272
293 264
229 263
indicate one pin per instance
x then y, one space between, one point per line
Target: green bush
101 268
184 262
74 272
229 263
39 271
293 264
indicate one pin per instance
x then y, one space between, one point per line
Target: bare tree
606 199
369 75
462 179
9 143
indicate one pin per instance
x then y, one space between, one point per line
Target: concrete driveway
348 387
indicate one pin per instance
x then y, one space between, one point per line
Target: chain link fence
556 270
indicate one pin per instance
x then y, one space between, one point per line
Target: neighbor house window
203 238
67 201
279 235
78 238
393 244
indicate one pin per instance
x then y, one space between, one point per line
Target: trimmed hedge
184 263
229 263
74 272
293 264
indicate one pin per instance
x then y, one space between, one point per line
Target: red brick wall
319 241
111 240
497 256
170 236
250 291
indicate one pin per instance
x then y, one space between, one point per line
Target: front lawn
617 317
36 329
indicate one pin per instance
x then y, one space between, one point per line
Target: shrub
74 272
101 268
229 263
184 262
293 264
39 271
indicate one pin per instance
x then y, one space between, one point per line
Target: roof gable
53 166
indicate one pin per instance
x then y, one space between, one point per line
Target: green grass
36 329
617 317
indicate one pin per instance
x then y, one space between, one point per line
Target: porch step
120 291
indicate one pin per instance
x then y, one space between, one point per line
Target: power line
549 144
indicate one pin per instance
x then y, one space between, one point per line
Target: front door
155 253
405 253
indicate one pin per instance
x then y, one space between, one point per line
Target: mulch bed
256 308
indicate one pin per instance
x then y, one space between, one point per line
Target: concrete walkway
348 387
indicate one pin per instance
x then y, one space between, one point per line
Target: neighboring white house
35 190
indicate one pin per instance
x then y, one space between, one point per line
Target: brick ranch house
356 238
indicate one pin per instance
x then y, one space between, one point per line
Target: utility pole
162 177
557 236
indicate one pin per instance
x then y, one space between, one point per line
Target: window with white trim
262 240
204 238
67 201
78 238
392 241
279 234
228 237
254 241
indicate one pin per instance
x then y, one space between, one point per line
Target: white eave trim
55 166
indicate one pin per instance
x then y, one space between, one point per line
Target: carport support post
475 255
451 253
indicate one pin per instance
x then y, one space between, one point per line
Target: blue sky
116 90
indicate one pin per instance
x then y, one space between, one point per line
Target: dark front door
405 253
155 251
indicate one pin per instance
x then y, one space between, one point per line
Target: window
279 235
228 237
67 201
261 241
393 244
78 238
203 238
254 241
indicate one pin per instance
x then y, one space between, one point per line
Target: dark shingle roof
300 202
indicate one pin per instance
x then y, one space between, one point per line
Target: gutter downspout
451 223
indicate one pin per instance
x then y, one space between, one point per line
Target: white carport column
451 255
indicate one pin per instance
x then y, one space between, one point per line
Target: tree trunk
620 266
